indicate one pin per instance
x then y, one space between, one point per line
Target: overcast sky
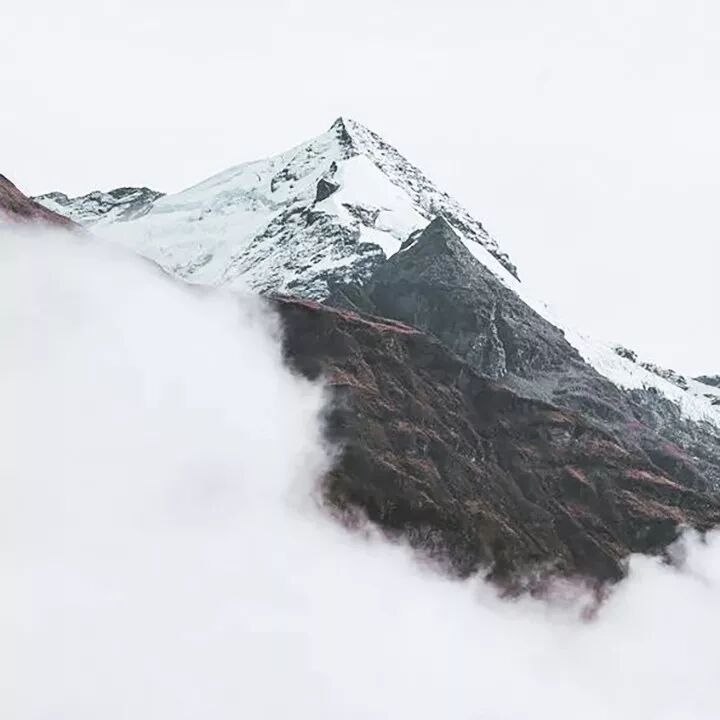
584 134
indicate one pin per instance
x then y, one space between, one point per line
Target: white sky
584 134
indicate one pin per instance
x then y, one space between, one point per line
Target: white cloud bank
161 558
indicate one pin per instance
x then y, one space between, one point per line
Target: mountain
474 474
474 419
95 208
17 208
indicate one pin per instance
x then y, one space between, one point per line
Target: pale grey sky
584 134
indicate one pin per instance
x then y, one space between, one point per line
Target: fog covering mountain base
163 557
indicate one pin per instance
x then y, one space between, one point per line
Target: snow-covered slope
329 209
97 208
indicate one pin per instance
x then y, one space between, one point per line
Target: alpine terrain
16 208
98 207
474 421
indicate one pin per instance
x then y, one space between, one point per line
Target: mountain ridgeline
473 420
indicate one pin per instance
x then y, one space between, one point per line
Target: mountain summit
329 209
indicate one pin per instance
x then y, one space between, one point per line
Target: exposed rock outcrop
325 189
626 353
712 380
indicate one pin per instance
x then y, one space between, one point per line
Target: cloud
162 558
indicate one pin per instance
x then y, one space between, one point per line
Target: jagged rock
626 353
471 472
325 189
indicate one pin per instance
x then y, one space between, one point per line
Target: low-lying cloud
162 558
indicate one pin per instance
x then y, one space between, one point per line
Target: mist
164 556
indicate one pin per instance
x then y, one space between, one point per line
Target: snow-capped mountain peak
412 180
329 209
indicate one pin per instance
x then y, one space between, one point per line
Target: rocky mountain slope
470 471
436 284
16 207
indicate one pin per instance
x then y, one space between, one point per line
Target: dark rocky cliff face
470 471
435 284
